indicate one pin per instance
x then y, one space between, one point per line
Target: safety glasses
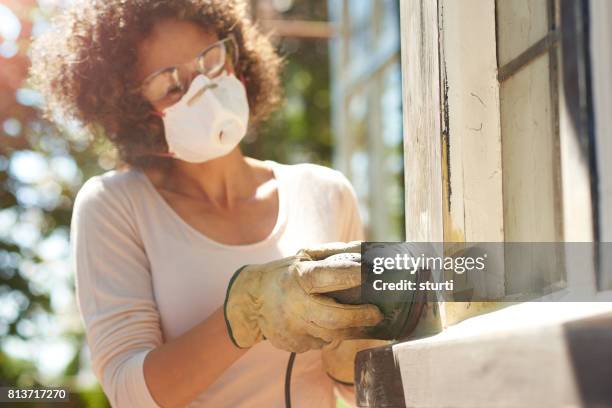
167 86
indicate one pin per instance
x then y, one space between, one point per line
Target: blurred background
342 109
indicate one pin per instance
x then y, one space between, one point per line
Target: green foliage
300 130
32 210
16 372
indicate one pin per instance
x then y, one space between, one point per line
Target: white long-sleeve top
145 276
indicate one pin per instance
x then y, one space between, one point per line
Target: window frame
458 90
501 348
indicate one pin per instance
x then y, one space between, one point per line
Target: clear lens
168 85
162 85
212 61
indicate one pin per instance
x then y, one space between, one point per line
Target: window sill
529 354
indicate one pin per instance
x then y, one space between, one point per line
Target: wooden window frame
600 31
489 360
455 92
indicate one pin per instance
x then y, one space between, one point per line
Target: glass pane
530 157
389 30
520 24
393 157
367 113
362 35
359 159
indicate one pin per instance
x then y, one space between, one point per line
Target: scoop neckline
278 226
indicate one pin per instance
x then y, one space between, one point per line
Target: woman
173 84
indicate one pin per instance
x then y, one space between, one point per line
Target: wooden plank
513 358
472 99
422 135
601 58
377 379
422 130
473 205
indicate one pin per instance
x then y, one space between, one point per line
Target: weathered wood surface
421 103
471 138
377 379
515 362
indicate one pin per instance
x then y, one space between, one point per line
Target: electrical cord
288 380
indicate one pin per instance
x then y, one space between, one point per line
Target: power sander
401 316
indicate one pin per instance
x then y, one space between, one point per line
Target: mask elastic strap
157 154
158 114
163 154
144 153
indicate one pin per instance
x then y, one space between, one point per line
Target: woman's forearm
177 371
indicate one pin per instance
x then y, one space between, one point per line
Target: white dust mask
209 120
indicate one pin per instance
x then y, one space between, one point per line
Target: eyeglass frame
229 38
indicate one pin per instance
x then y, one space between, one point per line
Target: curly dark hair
85 67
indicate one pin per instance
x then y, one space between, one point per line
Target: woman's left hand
285 302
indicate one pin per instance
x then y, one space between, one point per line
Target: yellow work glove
339 358
323 251
284 302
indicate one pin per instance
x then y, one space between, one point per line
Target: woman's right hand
284 301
